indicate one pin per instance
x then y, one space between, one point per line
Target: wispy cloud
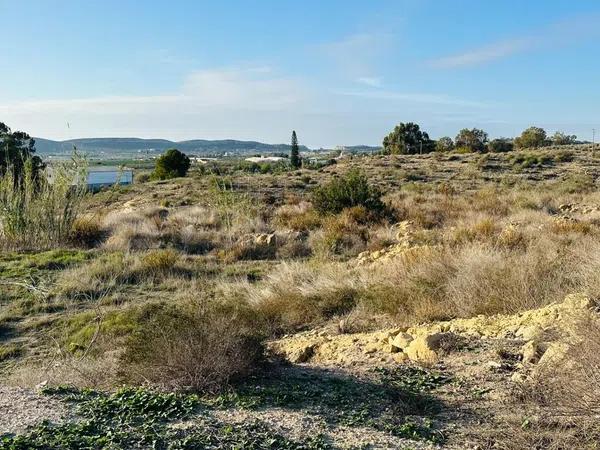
434 99
238 103
248 89
566 32
370 81
484 54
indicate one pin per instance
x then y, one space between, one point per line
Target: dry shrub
87 231
491 201
293 249
483 230
197 216
409 289
193 241
196 346
133 231
564 394
108 272
296 295
248 250
544 433
157 262
340 235
565 226
511 238
298 217
570 382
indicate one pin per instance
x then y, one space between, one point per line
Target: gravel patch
21 408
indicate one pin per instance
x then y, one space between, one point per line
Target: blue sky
339 72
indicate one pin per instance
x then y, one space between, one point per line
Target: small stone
532 351
402 340
518 377
370 348
494 365
529 333
400 357
389 348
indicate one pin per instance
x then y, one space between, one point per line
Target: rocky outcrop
543 332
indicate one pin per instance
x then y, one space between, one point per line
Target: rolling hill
126 145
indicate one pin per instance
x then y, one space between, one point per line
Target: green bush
172 164
352 189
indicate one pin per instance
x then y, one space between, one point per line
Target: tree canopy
560 138
444 144
171 164
295 161
407 139
500 145
532 137
472 139
16 147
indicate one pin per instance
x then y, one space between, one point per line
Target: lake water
106 177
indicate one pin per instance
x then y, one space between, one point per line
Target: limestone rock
301 354
532 351
425 348
555 354
402 340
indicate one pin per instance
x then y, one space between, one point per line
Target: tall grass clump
37 211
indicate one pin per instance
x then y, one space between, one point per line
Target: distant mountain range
133 145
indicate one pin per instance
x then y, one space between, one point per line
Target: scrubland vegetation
179 285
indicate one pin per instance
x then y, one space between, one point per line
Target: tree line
409 139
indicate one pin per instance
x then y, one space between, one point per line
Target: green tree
532 137
16 147
560 138
295 161
171 164
500 145
407 139
444 144
472 139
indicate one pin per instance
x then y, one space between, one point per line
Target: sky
338 72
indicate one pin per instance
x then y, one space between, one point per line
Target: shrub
195 346
158 261
297 295
300 217
500 145
171 165
143 177
38 212
444 144
352 189
86 231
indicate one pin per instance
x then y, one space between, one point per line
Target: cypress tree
295 152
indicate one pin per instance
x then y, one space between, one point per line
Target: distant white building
260 159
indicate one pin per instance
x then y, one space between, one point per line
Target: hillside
132 145
454 308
